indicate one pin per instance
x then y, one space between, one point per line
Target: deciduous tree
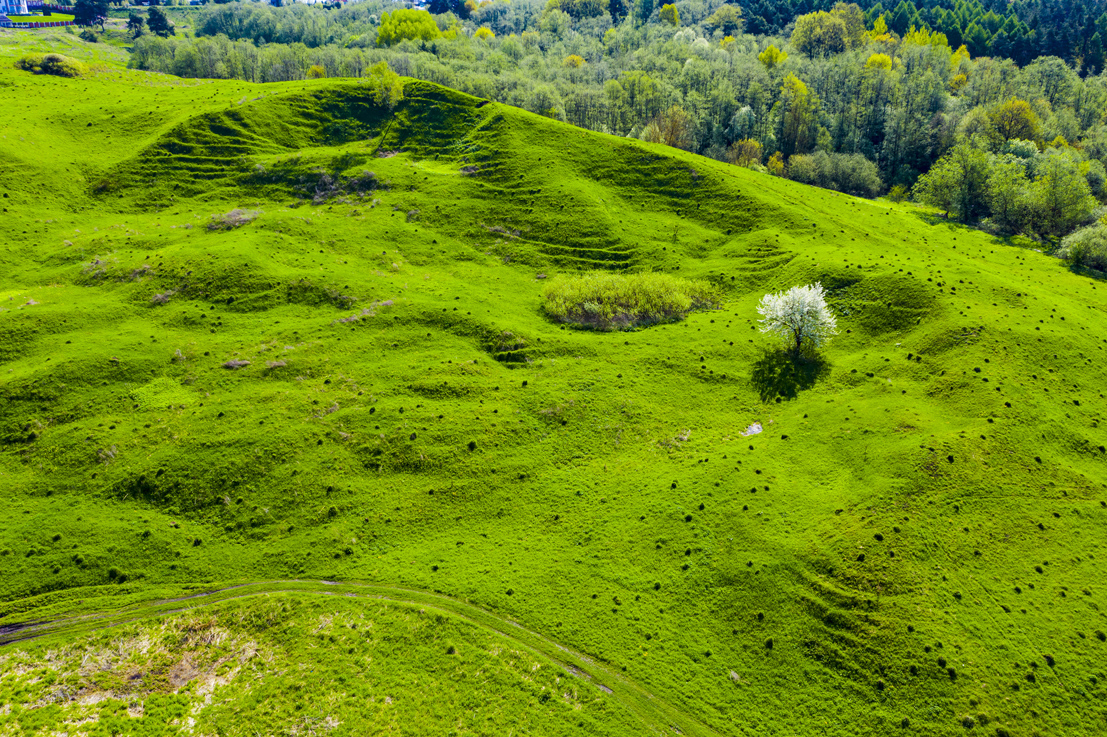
799 316
746 152
1014 118
673 127
772 57
1086 247
1008 192
728 19
385 85
1062 193
797 109
405 24
956 183
822 33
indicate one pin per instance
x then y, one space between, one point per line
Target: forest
839 98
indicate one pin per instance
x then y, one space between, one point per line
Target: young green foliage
404 24
609 301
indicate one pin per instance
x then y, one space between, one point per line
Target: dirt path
659 716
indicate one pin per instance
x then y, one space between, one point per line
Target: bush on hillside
606 301
55 64
898 193
746 152
849 173
1086 247
385 85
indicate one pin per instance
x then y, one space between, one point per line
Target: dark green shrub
1086 247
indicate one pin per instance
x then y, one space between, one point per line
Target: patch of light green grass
55 18
162 392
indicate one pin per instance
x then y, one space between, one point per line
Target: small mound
606 301
55 64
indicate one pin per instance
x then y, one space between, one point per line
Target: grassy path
659 716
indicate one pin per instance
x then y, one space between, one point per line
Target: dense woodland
840 99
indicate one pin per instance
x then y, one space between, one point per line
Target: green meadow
52 18
274 336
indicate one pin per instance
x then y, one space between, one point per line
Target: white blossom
798 317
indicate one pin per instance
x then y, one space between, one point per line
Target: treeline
261 23
1073 30
1022 30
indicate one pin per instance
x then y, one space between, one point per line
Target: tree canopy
90 12
799 317
822 33
404 24
159 23
728 19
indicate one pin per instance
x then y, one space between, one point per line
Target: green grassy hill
569 531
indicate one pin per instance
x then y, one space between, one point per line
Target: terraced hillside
279 334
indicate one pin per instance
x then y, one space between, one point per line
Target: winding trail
658 716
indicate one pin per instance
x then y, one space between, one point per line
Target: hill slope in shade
915 539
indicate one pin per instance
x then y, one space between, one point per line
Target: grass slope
916 539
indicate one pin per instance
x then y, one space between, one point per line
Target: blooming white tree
798 316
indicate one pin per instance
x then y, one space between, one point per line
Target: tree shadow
1088 272
780 373
1008 240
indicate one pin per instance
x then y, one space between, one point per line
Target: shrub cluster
56 64
849 173
607 301
1086 247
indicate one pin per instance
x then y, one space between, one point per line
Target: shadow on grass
780 373
1088 272
1009 240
